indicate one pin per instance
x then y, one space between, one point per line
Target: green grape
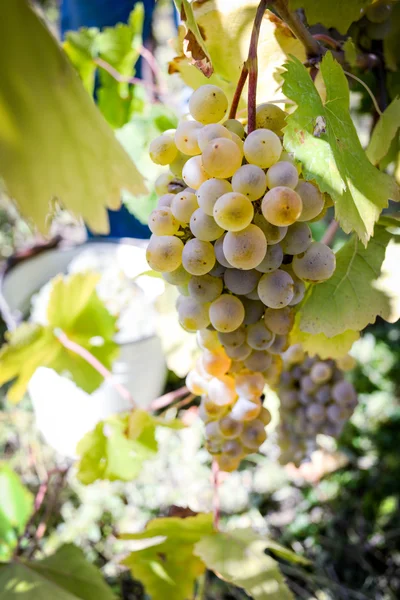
233 211
218 270
165 201
193 172
209 192
258 360
317 263
195 383
297 239
221 158
226 313
245 249
207 339
221 390
299 288
193 315
230 428
177 277
205 288
183 206
321 372
204 227
282 174
164 253
259 337
162 182
279 345
186 137
263 148
253 311
245 410
235 126
183 289
210 133
163 150
208 104
270 116
238 353
281 206
227 463
272 259
241 282
163 222
215 362
250 386
273 373
198 257
295 354
378 12
276 289
265 416
312 200
253 435
233 448
250 181
253 295
344 393
219 252
279 320
238 141
233 338
273 234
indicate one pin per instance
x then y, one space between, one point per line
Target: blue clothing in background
107 13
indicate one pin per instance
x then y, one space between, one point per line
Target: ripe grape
276 289
198 257
164 253
208 104
219 252
312 199
265 416
279 320
233 338
207 339
227 463
250 181
317 263
186 135
226 313
238 353
205 288
233 448
230 428
233 211
210 133
245 249
215 362
258 360
221 390
163 222
282 174
241 282
177 277
193 172
259 337
209 192
195 383
270 116
279 345
204 227
281 206
321 372
253 435
193 315
272 259
183 205
221 158
263 148
343 392
253 310
245 409
297 239
162 182
163 150
235 126
273 234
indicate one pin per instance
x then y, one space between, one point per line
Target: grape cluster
230 231
315 398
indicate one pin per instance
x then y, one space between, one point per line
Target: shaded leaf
239 557
391 41
321 345
335 159
54 143
15 508
340 14
384 132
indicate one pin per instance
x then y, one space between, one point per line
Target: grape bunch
315 398
230 231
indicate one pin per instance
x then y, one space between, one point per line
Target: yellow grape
281 206
163 150
216 363
208 104
221 158
164 253
226 313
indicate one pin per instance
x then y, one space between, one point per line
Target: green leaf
15 508
318 343
169 567
239 557
75 308
66 575
54 143
350 52
384 132
391 41
334 159
81 48
339 14
348 300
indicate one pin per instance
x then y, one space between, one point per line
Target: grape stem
330 232
252 66
310 43
122 78
238 91
216 499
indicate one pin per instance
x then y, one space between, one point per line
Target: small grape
346 363
205 288
245 409
193 172
208 104
245 249
233 338
308 385
219 252
282 174
233 211
195 383
193 315
235 126
204 227
227 463
253 295
321 372
281 206
233 448
316 413
265 416
162 182
210 133
226 313
273 234
177 277
221 390
253 311
279 345
163 222
183 206
258 360
221 158
208 339
250 181
209 192
270 116
253 435
186 137
259 337
344 393
218 270
176 167
215 363
198 257
164 253
288 398
250 385
323 394
230 428
238 353
297 239
276 289
165 201
241 282
317 263
263 148
272 259
163 150
312 199
279 320
213 432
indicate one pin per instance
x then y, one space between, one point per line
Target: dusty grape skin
316 264
276 289
281 206
245 249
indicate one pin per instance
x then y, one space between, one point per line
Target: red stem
330 232
326 39
168 398
252 65
216 499
238 91
122 78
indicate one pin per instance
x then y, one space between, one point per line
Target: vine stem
330 232
252 66
123 78
238 91
216 498
310 43
168 398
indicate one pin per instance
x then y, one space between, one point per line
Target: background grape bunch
314 398
230 231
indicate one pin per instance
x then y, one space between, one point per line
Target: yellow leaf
325 347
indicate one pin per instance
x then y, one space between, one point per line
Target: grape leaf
340 14
65 575
384 132
15 509
335 158
54 143
81 47
239 557
194 47
74 308
318 343
169 567
391 41
349 299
